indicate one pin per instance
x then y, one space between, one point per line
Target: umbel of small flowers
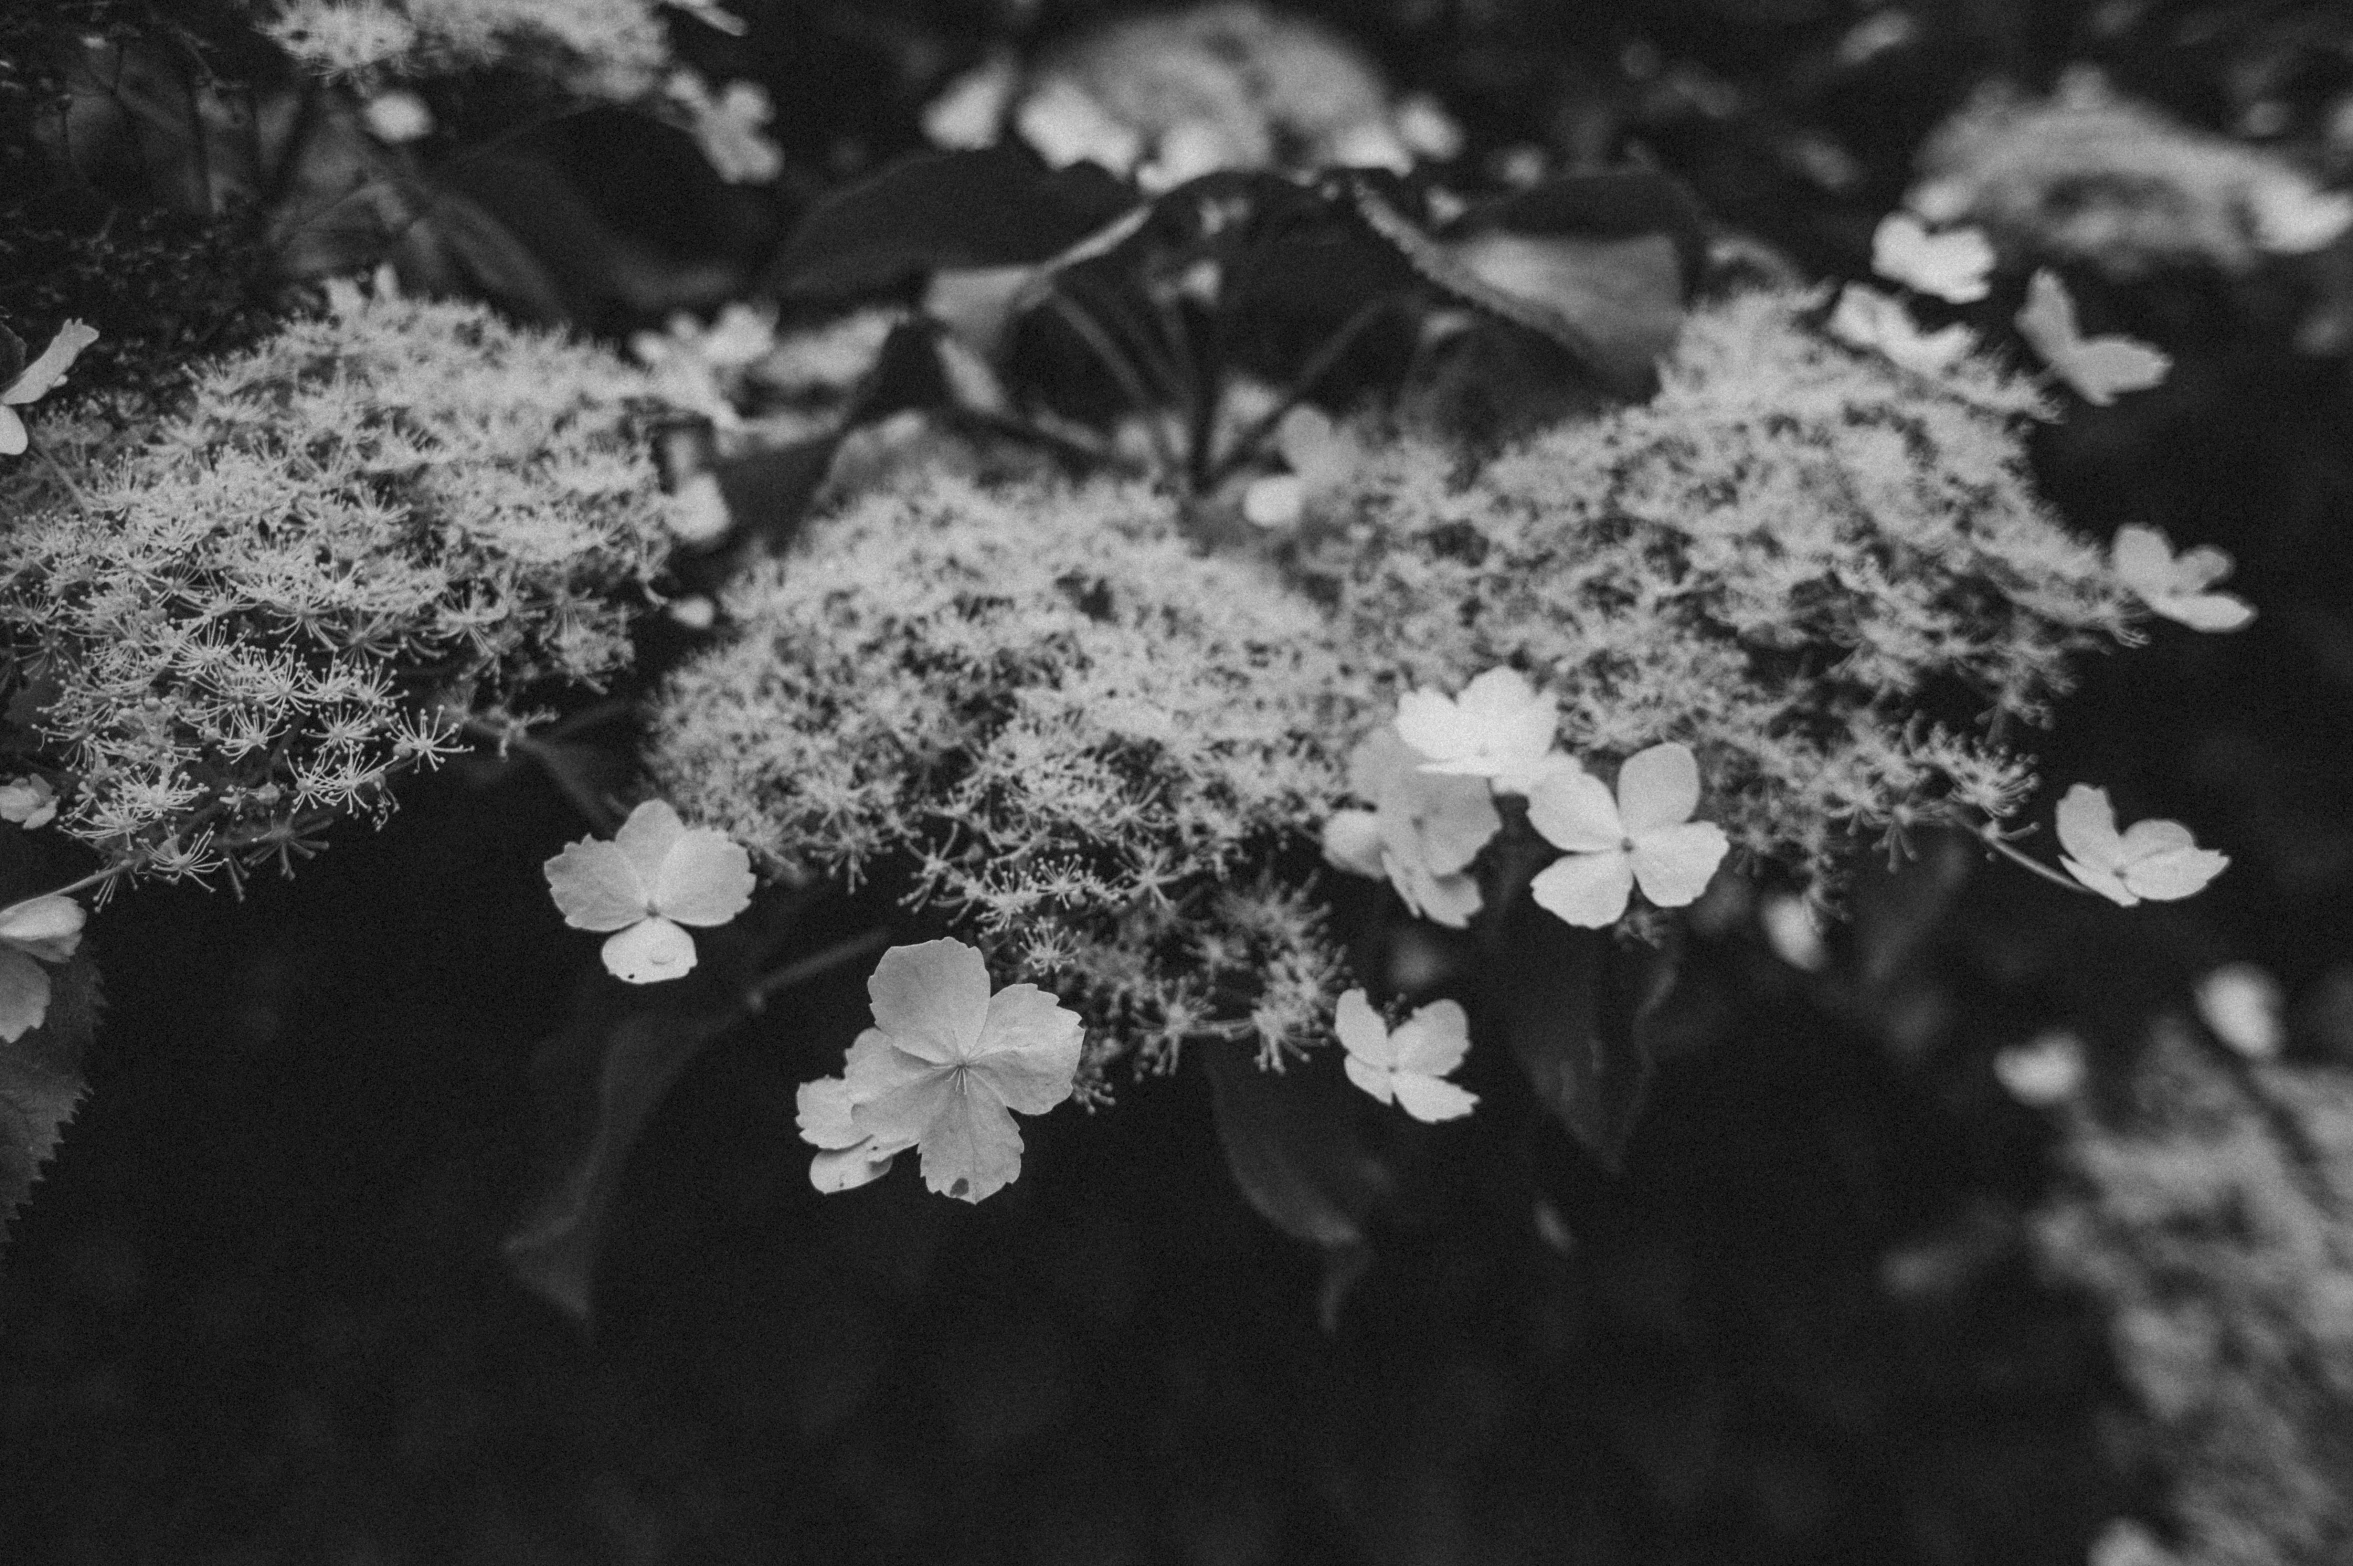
653 877
941 1071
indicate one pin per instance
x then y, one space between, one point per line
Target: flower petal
2176 873
2143 839
932 999
1587 890
1379 1081
24 995
1428 1099
1450 820
823 1114
646 839
2087 827
47 927
706 879
1029 1048
1352 842
1362 1033
849 1168
896 1097
2142 558
1449 900
2207 611
1430 722
14 437
973 1149
1674 866
1574 810
1433 1040
649 952
2102 880
1658 787
50 368
596 887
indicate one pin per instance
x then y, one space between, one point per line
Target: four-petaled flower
1868 319
1644 837
30 382
655 875
2176 586
942 1069
2099 368
728 127
2154 860
1500 727
1407 1067
35 931
1951 265
1423 832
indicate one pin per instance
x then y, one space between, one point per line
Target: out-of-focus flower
38 930
1423 124
397 117
2176 586
1789 926
2158 861
27 383
1407 1067
2242 1003
655 875
2047 1069
942 1070
28 801
729 127
969 113
1067 126
1422 833
1644 837
2099 368
1500 727
1952 266
698 513
2293 217
1868 319
1320 456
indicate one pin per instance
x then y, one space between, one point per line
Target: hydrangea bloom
655 875
942 1070
1500 727
1952 266
1868 319
2155 860
2176 586
1407 1067
1644 837
1423 832
30 382
2099 368
36 931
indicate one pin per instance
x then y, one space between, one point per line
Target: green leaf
1574 1005
998 207
601 1080
1293 1143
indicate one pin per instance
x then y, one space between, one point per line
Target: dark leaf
1574 1005
601 1080
1599 265
768 492
41 1082
996 207
488 255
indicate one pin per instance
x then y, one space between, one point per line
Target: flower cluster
2208 1213
602 49
1814 572
271 597
1084 742
2092 177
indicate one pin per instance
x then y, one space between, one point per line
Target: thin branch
1247 444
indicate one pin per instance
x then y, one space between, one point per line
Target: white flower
1952 266
1644 837
1868 319
2156 860
397 117
28 801
2099 368
38 930
2176 586
2242 1004
2293 217
33 381
1067 126
1320 456
2047 1069
967 114
1407 1067
728 127
1500 727
942 1069
1422 834
655 875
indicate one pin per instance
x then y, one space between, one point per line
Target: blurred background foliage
1850 1301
